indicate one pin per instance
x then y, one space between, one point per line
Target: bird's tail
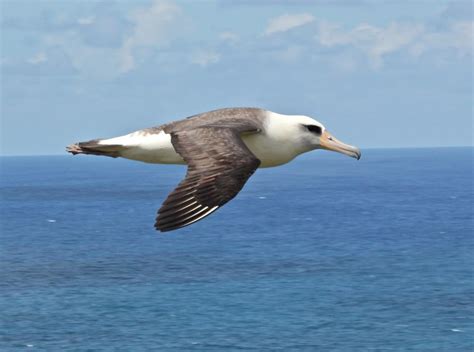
95 148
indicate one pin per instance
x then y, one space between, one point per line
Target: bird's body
272 146
222 149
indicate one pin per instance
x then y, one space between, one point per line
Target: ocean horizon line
367 148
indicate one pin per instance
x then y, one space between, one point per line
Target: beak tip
328 142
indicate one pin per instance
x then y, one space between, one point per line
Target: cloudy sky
380 73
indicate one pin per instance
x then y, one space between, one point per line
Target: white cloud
38 58
205 58
287 22
290 54
229 37
141 37
90 61
378 42
458 37
151 29
85 21
463 33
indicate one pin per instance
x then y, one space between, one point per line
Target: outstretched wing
219 164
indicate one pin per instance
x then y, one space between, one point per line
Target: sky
376 73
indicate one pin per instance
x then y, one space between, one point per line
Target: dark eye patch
314 129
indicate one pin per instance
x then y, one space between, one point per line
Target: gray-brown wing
219 164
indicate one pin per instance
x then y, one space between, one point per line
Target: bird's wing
219 164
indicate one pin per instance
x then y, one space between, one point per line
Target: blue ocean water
323 254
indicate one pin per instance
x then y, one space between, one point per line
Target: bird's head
315 136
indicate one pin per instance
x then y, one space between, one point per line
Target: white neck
279 142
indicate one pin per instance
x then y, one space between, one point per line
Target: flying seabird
222 149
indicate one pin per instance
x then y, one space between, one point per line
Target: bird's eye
314 129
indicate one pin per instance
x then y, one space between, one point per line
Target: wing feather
219 165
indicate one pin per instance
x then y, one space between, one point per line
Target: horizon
304 154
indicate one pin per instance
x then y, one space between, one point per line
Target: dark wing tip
174 221
160 229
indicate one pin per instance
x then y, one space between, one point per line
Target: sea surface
323 254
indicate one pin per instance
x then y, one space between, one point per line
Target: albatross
222 149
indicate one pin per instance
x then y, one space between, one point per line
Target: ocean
323 254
